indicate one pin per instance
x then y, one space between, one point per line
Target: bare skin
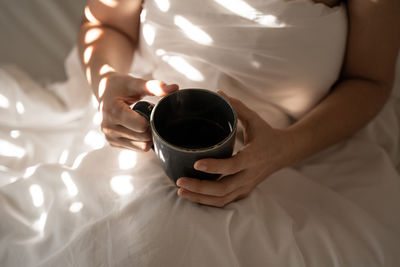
362 90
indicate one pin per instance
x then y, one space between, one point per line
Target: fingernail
180 192
179 182
200 166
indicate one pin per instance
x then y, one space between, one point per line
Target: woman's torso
280 57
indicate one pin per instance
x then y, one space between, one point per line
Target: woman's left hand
264 153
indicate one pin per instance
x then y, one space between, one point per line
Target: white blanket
68 199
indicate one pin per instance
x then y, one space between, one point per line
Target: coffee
193 132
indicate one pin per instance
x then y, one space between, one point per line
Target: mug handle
144 108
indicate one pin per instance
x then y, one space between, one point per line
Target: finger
159 88
232 165
213 200
118 131
129 144
222 187
125 116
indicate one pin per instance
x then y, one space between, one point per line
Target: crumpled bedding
69 199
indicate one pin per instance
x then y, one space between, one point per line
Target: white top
277 56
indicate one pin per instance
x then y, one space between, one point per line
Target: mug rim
194 150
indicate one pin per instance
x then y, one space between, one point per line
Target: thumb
159 88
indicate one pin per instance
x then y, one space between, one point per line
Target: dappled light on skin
127 159
106 69
121 184
69 184
92 35
163 5
109 3
4 103
87 55
244 10
182 66
78 160
192 31
63 157
20 107
76 207
102 87
30 171
90 17
149 34
15 134
89 76
8 149
94 139
37 195
154 87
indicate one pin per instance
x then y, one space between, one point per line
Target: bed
69 199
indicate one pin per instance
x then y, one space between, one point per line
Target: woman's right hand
122 126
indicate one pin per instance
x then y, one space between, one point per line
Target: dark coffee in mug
193 132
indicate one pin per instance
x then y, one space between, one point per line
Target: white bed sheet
69 199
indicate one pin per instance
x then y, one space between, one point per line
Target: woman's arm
364 87
108 38
366 80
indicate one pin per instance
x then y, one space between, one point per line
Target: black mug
188 125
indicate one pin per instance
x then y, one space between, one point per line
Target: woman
109 37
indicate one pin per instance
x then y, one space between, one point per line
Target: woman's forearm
351 105
107 38
111 50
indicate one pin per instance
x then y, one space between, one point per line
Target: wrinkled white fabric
248 50
68 200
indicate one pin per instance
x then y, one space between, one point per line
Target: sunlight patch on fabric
76 207
94 139
63 157
78 160
163 5
41 223
20 107
37 195
149 34
127 159
192 31
244 10
4 103
121 184
69 184
15 134
97 118
182 66
8 149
